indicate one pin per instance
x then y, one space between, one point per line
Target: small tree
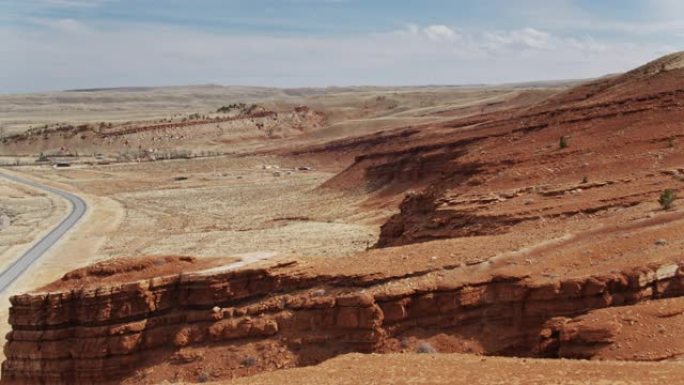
667 198
563 142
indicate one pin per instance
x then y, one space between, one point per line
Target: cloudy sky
68 44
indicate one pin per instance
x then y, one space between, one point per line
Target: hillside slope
510 220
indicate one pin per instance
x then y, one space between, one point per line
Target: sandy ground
31 213
77 249
225 208
468 370
218 207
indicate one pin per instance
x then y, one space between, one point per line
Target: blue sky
66 44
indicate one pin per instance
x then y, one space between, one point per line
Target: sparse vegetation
203 376
670 142
563 142
231 107
248 362
667 199
241 108
585 180
425 348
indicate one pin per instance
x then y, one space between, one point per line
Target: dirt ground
346 105
486 221
28 213
466 370
223 206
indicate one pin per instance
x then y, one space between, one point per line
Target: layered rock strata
103 334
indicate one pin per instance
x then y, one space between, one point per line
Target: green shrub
667 198
563 142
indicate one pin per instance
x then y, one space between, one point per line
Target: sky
74 44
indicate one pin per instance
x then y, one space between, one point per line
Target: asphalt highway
21 264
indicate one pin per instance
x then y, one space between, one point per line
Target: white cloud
587 44
668 9
652 17
439 32
522 38
413 29
68 54
64 25
75 3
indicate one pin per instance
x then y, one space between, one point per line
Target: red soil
504 233
651 331
456 369
119 270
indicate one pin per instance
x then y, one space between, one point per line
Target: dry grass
225 206
31 212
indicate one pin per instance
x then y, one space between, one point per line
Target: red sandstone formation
504 232
646 332
479 176
105 334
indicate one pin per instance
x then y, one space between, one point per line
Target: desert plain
523 233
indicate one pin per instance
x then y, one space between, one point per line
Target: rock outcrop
649 331
105 334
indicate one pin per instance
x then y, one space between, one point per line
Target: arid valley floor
414 235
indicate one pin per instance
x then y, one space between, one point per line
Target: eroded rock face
648 331
106 334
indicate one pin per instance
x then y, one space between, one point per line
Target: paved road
19 267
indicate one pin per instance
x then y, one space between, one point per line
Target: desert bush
203 376
667 198
563 142
248 362
231 107
425 348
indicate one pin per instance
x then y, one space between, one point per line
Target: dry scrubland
27 214
348 111
506 221
223 206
